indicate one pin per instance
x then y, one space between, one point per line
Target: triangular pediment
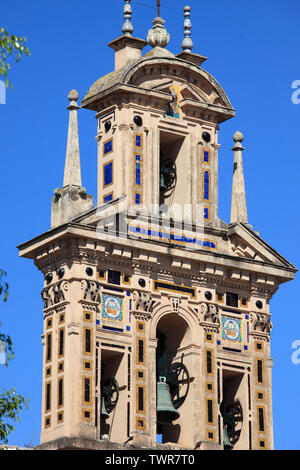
246 243
186 91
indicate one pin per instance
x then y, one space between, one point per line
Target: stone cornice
81 242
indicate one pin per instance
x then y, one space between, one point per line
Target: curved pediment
157 72
150 71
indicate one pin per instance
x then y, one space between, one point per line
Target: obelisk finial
72 199
127 27
72 175
238 201
187 44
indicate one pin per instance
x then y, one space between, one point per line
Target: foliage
3 285
10 45
5 340
10 403
10 406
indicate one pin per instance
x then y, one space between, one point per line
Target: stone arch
162 309
178 344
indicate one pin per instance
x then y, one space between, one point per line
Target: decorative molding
73 328
260 337
175 303
89 305
142 316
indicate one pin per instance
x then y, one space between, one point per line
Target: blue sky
253 50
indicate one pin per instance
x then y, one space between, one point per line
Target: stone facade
152 268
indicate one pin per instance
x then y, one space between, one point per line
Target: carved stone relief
54 294
91 290
261 322
142 301
209 313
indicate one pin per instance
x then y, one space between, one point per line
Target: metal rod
158 7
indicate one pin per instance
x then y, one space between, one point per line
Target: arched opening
173 380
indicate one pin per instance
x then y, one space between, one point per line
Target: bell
104 414
166 413
226 441
162 183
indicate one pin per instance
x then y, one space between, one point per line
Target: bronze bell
226 441
166 413
104 414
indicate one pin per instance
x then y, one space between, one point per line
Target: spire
238 201
72 199
127 27
72 175
187 44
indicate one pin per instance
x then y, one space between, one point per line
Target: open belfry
156 320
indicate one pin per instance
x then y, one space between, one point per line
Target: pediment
186 91
195 83
153 72
245 243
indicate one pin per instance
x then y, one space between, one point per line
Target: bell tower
157 321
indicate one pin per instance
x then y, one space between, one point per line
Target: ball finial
73 95
238 137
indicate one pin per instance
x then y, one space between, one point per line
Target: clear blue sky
253 50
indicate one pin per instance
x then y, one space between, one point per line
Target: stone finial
127 27
72 199
72 174
158 35
238 199
73 97
238 139
187 44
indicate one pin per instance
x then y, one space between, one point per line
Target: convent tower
156 313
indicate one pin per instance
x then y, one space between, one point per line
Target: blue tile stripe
174 237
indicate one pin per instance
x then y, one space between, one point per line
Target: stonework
154 307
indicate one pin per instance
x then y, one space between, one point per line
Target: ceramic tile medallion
112 307
231 329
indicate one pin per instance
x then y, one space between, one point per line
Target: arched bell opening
172 165
112 401
232 408
173 381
